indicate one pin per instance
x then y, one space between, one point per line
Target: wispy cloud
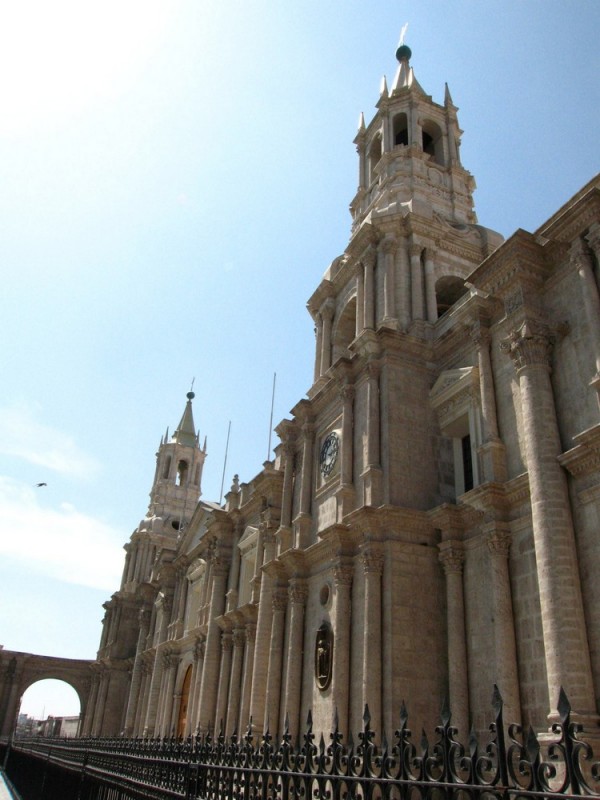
61 542
23 436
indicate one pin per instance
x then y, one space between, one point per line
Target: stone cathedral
428 526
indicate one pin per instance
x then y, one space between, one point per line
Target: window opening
182 470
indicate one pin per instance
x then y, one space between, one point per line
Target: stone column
196 681
284 534
388 247
234 572
326 311
371 661
10 699
171 663
140 714
297 598
136 676
368 261
416 134
340 677
273 700
247 680
360 298
100 703
416 281
492 451
212 652
91 706
432 314
582 262
403 269
563 623
304 520
360 149
224 676
235 685
593 239
452 558
345 493
263 635
372 474
318 345
505 658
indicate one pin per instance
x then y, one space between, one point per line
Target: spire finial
403 53
190 395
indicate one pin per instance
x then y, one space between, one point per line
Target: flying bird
41 484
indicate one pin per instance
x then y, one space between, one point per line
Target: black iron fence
510 762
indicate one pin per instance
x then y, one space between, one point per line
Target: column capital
347 392
430 253
369 257
579 254
298 591
342 575
279 599
199 648
327 309
373 369
498 543
415 249
452 557
480 334
372 560
593 237
250 632
388 244
239 637
530 345
226 641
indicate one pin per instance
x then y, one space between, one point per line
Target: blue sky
174 180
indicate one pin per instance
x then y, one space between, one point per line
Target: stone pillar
452 558
297 598
368 261
247 679
273 699
136 676
416 134
492 451
263 636
284 534
432 314
388 247
345 493
10 697
372 474
318 345
563 623
196 681
403 270
212 652
170 669
340 677
360 149
416 281
582 262
371 656
91 706
224 676
326 312
505 658
593 239
234 572
140 714
235 685
100 703
304 519
360 298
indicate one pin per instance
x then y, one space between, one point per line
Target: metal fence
509 763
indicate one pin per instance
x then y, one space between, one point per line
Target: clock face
329 452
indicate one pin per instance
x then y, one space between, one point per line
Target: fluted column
563 623
360 298
492 452
581 260
212 652
372 474
372 560
171 662
452 558
340 678
224 676
432 314
284 534
403 271
388 247
235 685
318 345
247 679
140 714
505 657
136 676
304 520
273 700
368 261
263 635
326 312
196 681
297 598
416 281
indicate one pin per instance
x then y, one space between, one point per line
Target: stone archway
18 671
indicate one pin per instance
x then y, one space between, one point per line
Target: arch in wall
182 472
400 129
344 331
433 142
448 290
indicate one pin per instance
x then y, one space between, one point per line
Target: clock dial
329 453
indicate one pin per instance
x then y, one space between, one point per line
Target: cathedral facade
428 526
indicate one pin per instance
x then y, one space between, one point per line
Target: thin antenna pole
225 462
271 418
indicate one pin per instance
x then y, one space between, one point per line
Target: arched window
448 290
400 130
344 331
433 142
182 471
374 156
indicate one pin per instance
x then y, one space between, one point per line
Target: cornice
584 458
